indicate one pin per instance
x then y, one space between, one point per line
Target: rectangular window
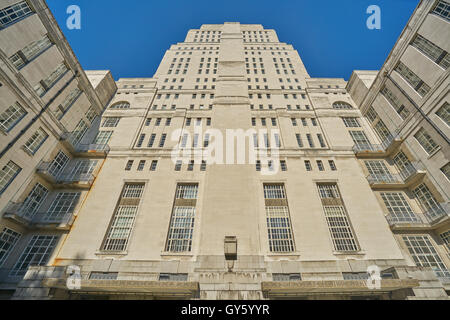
320 165
424 254
44 85
371 114
308 165
401 161
378 170
332 165
277 140
395 103
62 206
163 140
103 137
13 13
299 140
203 166
141 165
382 131
442 9
426 198
321 141
8 239
351 122
426 141
178 165
36 141
432 51
7 175
360 139
140 141
67 103
152 140
421 87
338 222
258 165
278 219
190 165
310 140
36 253
11 116
154 165
110 122
33 201
122 222
443 113
181 229
129 165
91 114
398 207
58 164
283 165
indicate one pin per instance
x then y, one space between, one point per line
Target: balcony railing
384 178
438 213
90 149
411 169
408 176
377 148
409 218
428 219
25 215
76 179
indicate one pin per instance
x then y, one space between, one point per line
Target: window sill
166 254
434 153
349 253
112 253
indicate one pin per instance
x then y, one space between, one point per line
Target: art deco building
230 174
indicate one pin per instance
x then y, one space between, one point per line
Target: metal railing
39 217
369 147
411 169
438 212
384 178
430 217
410 218
78 177
84 147
92 147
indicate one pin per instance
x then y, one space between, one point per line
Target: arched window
120 105
341 105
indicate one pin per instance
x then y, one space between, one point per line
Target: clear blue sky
129 37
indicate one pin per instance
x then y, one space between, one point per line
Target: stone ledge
128 286
334 286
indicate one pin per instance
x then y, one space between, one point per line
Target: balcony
409 176
439 214
443 276
45 170
25 216
378 150
431 219
76 181
84 150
